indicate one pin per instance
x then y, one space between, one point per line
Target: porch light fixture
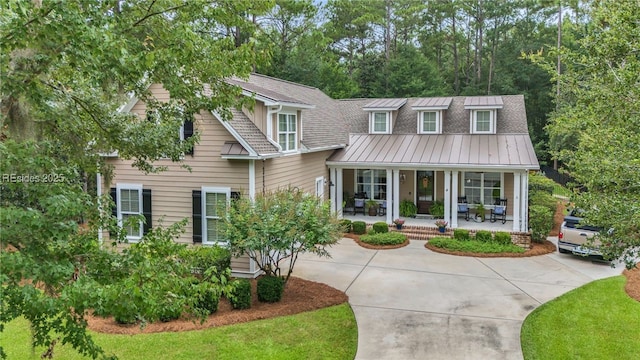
403 178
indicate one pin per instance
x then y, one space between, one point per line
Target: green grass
474 246
329 333
596 321
391 238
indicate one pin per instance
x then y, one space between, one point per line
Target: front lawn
329 333
474 246
596 321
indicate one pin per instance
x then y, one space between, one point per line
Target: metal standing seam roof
432 103
392 104
473 101
444 150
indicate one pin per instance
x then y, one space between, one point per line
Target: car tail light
560 235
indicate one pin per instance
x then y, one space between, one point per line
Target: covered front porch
432 189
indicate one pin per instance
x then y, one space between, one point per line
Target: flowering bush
441 223
398 221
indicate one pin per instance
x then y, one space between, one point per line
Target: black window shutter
188 132
146 210
114 197
197 216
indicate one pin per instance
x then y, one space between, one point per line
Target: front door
424 190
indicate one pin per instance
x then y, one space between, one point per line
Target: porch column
396 196
524 190
391 199
338 189
447 196
517 223
454 200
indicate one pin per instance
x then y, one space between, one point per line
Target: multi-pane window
482 188
373 182
483 121
380 122
287 131
214 208
430 122
130 208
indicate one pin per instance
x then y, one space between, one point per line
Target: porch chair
358 206
499 211
382 209
463 207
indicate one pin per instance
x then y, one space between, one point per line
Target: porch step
421 232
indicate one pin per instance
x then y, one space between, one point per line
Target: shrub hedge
201 258
240 296
380 227
270 288
540 222
461 234
474 246
359 227
484 236
502 237
346 225
389 238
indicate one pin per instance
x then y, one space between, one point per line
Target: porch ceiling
513 151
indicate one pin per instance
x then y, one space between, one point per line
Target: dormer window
430 113
483 112
381 113
430 122
288 132
380 122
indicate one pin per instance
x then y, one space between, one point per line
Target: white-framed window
483 121
288 131
429 122
129 208
380 122
483 188
373 182
215 201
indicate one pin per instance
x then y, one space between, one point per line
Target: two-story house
420 149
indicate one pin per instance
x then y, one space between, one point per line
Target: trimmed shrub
484 236
201 258
389 238
543 199
503 237
461 234
359 227
270 288
208 299
240 296
380 227
540 222
346 225
540 183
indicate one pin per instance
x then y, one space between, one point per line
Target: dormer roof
483 102
269 97
384 104
435 103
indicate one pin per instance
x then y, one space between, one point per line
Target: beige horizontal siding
299 170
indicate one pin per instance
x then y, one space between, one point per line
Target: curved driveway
412 303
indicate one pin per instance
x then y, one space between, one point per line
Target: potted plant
408 208
399 223
442 225
372 205
480 211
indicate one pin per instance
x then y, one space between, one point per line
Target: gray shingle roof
251 134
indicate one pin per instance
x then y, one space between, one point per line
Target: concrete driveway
412 303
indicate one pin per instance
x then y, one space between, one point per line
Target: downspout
263 177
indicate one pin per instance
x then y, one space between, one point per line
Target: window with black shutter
197 216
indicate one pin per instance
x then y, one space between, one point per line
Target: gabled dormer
431 112
483 113
382 114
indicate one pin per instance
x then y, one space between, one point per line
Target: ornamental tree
278 226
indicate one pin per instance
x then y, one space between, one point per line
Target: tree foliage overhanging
67 67
596 132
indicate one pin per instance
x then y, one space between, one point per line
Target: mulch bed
299 296
633 282
356 238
